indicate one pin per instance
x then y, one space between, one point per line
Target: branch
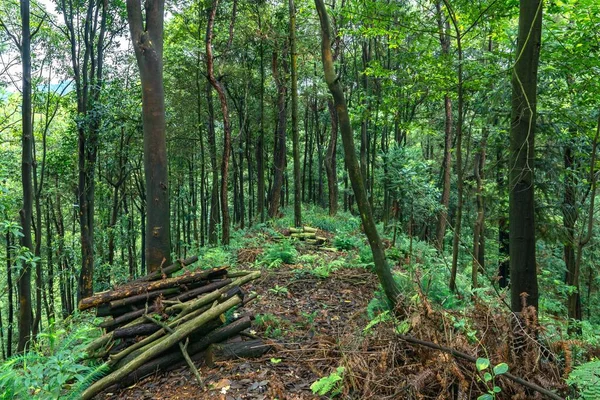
472 359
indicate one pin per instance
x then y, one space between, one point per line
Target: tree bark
148 45
523 270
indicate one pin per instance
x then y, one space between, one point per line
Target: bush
276 254
53 368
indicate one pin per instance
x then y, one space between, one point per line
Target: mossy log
231 351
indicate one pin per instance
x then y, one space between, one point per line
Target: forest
301 199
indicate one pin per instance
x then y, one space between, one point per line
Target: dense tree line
142 143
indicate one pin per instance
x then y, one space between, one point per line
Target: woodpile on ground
158 323
309 235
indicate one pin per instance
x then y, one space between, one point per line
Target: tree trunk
384 273
24 280
226 125
280 148
295 133
148 45
523 270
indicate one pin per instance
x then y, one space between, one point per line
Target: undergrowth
53 367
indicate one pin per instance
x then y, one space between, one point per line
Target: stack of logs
308 235
149 316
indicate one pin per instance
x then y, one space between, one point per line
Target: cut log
104 310
167 271
110 324
142 287
202 289
234 350
310 229
174 360
142 298
133 331
180 333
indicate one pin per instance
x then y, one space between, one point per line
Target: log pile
158 323
309 235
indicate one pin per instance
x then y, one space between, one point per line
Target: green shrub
277 253
331 384
53 368
586 380
343 242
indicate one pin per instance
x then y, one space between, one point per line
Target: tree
382 269
295 133
523 269
147 38
24 281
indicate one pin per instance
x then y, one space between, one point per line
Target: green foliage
279 290
489 377
329 385
343 242
586 380
276 254
53 368
215 257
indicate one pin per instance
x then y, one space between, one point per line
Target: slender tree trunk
459 166
9 289
523 270
148 45
479 228
260 152
331 161
280 147
574 300
24 280
384 273
52 313
295 132
226 125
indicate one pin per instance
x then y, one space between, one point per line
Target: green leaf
275 360
486 396
500 369
482 363
487 377
497 389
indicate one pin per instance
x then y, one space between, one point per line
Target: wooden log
231 351
237 274
104 310
133 331
142 298
174 359
140 347
110 324
167 271
142 287
180 333
192 305
310 229
202 289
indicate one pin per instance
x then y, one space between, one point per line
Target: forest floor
323 314
303 317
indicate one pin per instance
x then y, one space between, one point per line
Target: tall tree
147 38
382 269
523 271
295 133
280 147
218 86
24 281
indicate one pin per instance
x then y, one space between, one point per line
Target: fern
329 384
586 379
